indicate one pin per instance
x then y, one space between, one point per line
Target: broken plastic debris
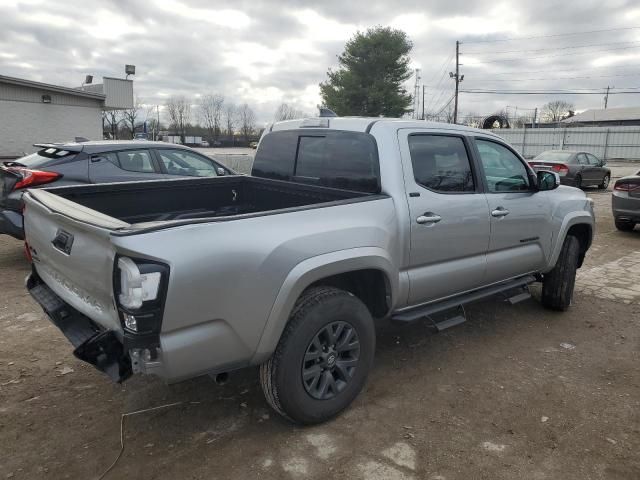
567 346
65 370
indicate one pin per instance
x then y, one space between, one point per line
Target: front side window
503 170
185 163
593 160
136 161
440 163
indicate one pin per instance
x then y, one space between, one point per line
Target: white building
34 112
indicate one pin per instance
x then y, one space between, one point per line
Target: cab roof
365 124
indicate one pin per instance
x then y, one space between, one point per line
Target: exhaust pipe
221 378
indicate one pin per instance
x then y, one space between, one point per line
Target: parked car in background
95 162
578 169
253 145
625 202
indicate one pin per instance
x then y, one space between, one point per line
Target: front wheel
558 284
323 358
605 183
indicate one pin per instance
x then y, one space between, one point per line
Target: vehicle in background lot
94 162
578 169
253 145
625 202
344 221
140 136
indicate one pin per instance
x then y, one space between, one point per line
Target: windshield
554 156
44 157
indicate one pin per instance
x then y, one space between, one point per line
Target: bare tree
210 111
112 119
179 109
229 113
557 110
132 114
472 119
247 120
287 112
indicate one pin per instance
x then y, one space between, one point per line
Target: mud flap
104 351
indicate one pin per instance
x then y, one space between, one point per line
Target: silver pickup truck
343 222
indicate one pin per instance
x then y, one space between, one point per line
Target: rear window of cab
331 158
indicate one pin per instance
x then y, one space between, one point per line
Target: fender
311 270
570 219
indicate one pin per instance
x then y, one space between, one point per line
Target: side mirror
221 171
547 180
603 162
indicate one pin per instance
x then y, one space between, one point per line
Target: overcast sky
268 52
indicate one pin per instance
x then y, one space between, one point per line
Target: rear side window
441 163
331 158
183 162
46 157
135 161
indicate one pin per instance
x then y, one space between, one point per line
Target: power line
513 39
575 70
546 92
563 78
553 49
551 56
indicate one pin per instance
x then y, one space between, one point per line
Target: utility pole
606 98
416 95
423 102
535 117
458 78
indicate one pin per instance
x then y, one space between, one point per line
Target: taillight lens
33 178
626 186
140 287
561 169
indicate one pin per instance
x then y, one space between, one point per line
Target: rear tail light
561 169
140 287
33 178
626 186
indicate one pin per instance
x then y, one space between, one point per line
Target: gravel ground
516 392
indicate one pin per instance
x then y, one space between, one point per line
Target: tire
624 226
318 314
557 285
605 182
577 181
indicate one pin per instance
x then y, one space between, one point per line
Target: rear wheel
624 226
577 182
323 358
605 183
558 284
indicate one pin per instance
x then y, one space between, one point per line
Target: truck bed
186 200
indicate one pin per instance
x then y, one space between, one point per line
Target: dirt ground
516 392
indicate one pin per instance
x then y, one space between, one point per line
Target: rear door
520 216
449 216
123 166
586 171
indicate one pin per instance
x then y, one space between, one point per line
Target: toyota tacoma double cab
343 222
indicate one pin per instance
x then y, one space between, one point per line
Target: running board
427 311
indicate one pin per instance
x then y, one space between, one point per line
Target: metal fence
604 142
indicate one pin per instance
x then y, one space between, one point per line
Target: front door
520 216
449 216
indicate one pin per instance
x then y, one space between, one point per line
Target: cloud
266 52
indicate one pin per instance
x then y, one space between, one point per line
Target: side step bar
426 311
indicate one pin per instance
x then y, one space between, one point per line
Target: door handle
428 218
500 212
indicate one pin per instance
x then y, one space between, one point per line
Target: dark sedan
625 202
578 169
95 162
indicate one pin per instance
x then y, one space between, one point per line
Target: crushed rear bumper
101 348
